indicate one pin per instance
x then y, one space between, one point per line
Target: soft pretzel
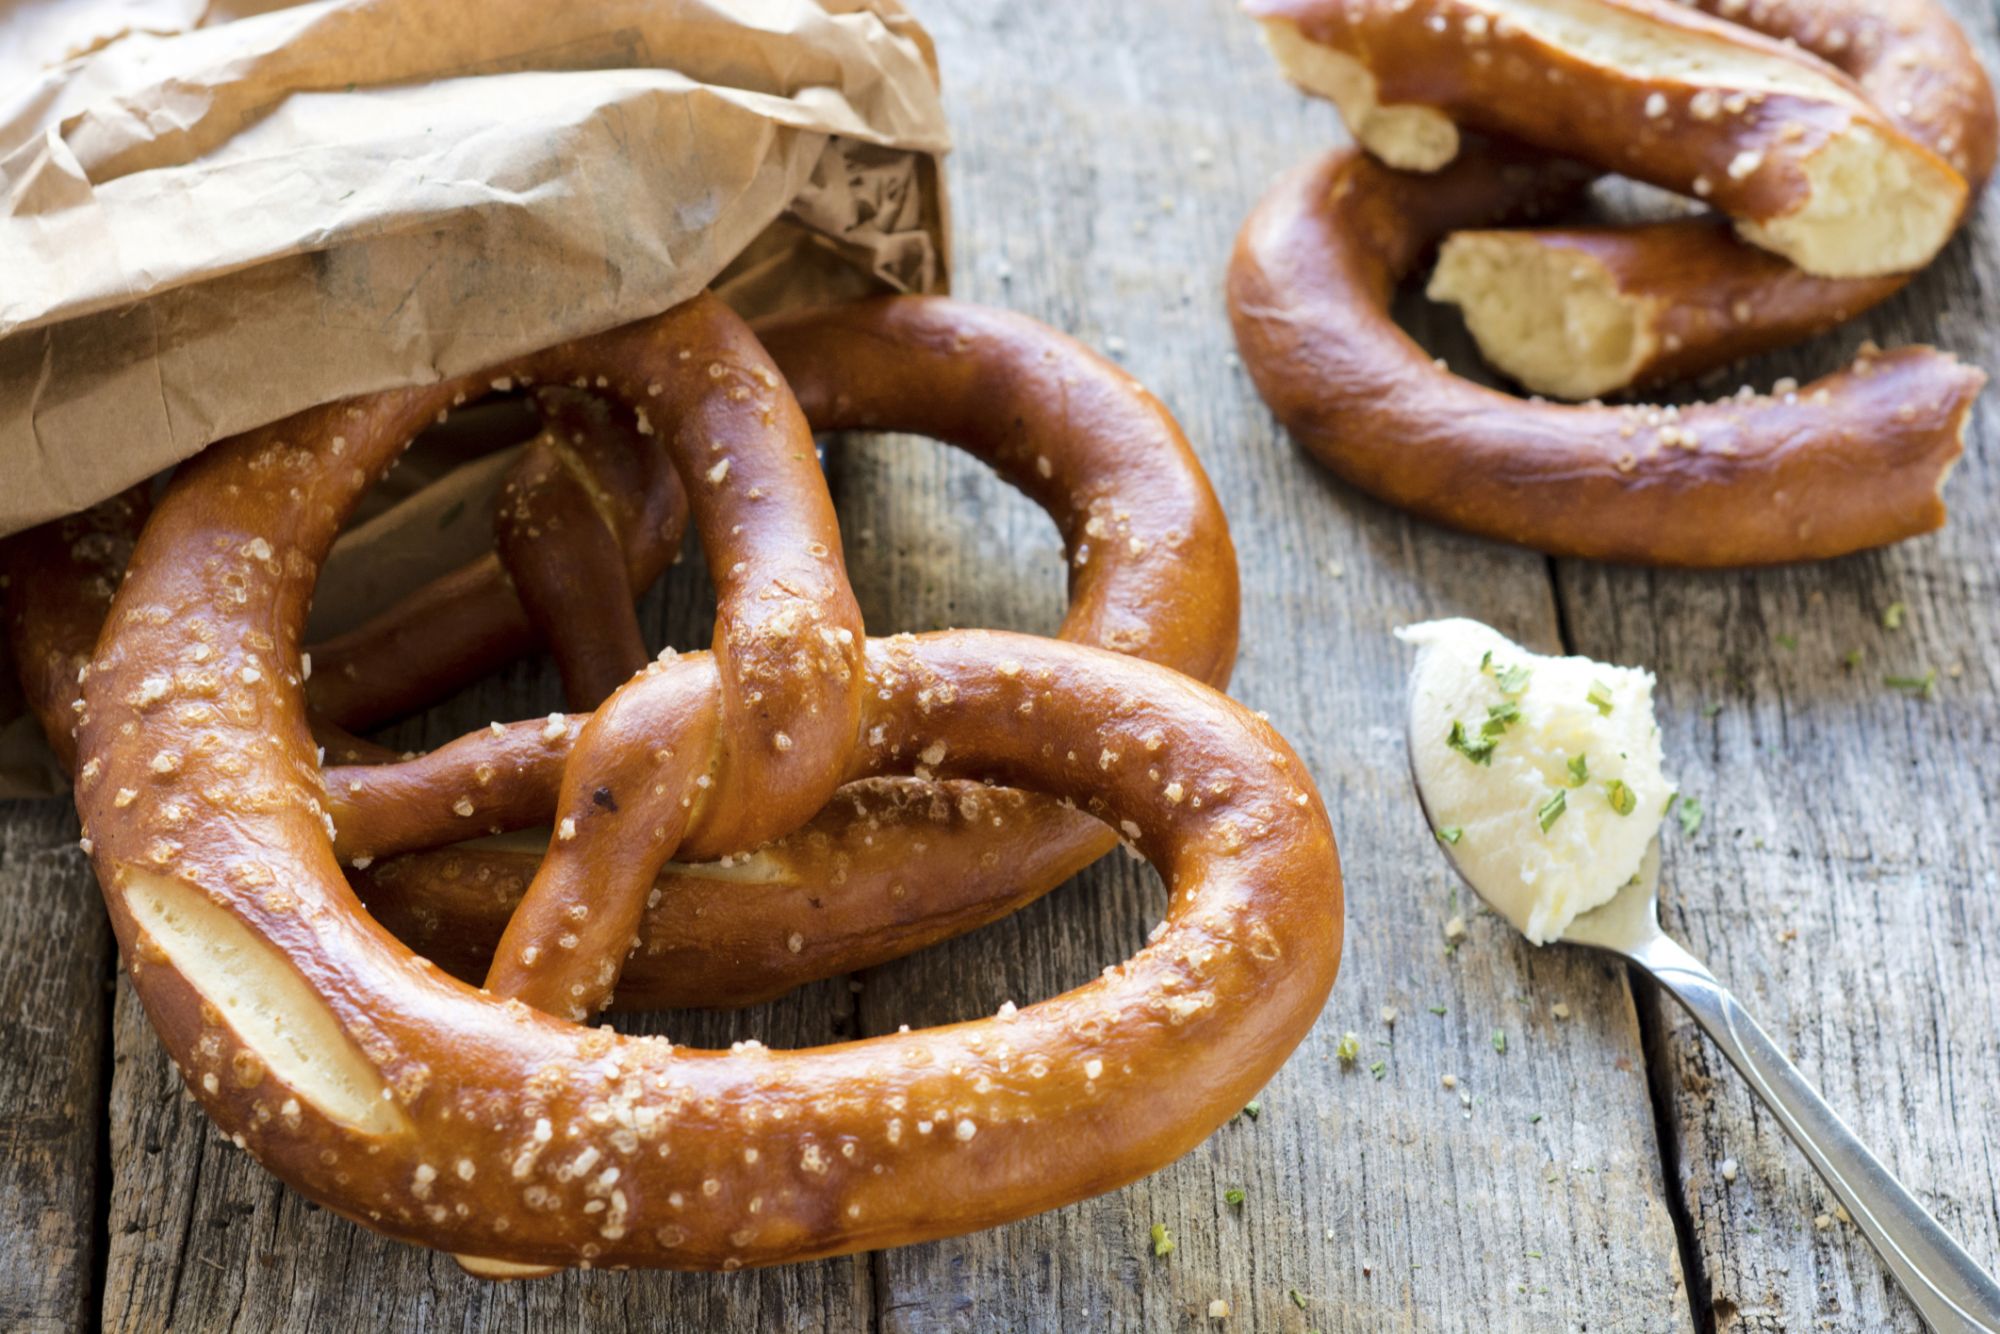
1153 573
1581 312
1786 145
410 1102
1854 460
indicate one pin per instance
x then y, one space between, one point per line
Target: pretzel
1153 573
1582 312
1855 460
434 1113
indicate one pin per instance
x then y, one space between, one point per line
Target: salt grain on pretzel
408 1101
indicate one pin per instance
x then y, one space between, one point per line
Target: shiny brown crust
1851 461
1651 89
1153 573
439 1115
1704 297
593 502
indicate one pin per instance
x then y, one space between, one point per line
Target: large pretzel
437 1114
1710 108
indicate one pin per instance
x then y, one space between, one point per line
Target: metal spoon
1950 1291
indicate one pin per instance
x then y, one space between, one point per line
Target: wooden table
1604 1171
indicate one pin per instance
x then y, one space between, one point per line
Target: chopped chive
1690 816
1163 1240
1451 833
1535 1120
1436 1009
1298 1298
1787 641
1499 718
1600 695
1552 810
1852 658
1479 752
1378 1069
1253 1109
1710 710
1892 615
1514 680
1500 1041
1579 770
1348 1049
1621 797
1923 687
1233 1196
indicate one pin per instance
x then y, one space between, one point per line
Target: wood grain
57 948
1842 879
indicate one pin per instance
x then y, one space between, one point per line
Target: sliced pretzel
1583 312
1153 573
412 1103
1783 143
1854 460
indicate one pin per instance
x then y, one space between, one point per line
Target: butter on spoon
1547 888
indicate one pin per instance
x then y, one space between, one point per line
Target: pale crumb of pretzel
1408 136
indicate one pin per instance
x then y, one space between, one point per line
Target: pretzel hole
1005 568
263 999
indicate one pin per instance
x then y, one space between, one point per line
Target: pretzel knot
1841 141
486 1122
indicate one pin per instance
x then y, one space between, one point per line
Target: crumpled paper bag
215 214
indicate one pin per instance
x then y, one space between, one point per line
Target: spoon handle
1951 1292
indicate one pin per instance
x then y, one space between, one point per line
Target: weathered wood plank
57 949
1107 155
1842 881
203 1238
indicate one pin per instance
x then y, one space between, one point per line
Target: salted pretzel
1713 109
459 1119
1153 573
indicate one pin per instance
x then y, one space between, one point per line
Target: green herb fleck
1435 1009
1923 687
1479 752
1552 810
1500 1041
1348 1049
1535 1120
1451 833
1892 615
1486 663
1690 816
1253 1109
1163 1240
1579 770
1533 1255
1785 641
1710 710
1600 695
1233 1197
1299 1299
1514 680
1852 659
1378 1069
1622 798
1499 718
